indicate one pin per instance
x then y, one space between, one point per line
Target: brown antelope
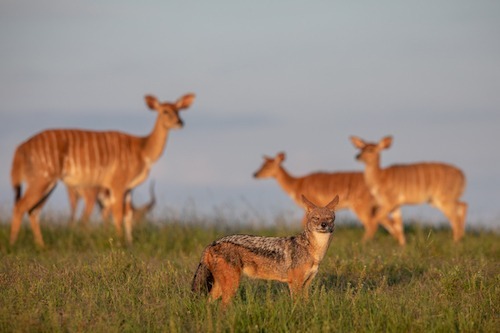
112 160
101 197
320 186
439 184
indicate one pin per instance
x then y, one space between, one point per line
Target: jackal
293 260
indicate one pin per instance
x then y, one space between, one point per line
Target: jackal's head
320 219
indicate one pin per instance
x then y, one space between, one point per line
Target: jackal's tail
17 174
203 279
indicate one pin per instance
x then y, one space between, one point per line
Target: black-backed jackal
294 260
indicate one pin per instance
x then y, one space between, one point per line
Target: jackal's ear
385 142
309 205
281 156
357 142
333 203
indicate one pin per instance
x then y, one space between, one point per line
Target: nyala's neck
288 183
373 174
155 142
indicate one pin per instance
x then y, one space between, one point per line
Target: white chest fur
321 243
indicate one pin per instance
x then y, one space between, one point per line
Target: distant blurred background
269 76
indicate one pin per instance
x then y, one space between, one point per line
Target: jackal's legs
226 279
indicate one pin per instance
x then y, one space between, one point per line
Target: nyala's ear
357 142
333 203
185 101
152 102
309 205
385 142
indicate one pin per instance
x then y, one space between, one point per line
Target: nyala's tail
16 174
203 279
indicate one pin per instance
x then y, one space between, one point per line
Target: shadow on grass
354 282
391 275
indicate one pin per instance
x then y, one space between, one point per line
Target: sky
269 76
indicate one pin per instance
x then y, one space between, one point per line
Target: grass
85 281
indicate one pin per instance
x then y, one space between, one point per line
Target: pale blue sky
294 76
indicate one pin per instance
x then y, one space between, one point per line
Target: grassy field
84 281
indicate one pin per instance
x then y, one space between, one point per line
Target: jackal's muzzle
325 227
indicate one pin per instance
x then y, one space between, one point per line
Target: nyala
294 260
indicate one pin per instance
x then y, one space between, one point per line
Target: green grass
85 281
